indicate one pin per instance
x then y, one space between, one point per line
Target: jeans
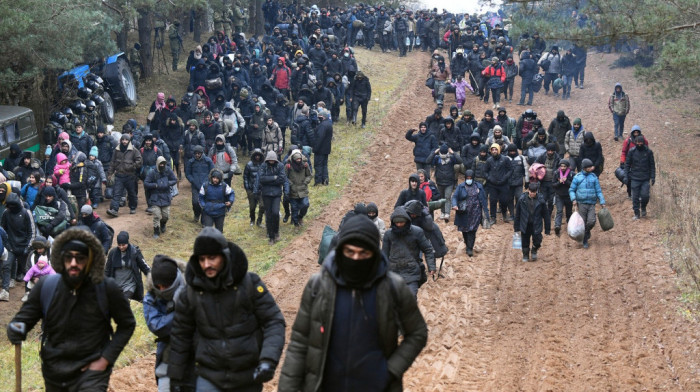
299 208
619 124
495 92
217 222
254 202
356 105
567 86
579 75
439 91
401 42
550 78
272 215
320 168
196 208
640 195
446 192
508 88
515 192
562 203
124 183
526 88
5 272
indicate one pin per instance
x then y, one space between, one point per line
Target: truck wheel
121 83
107 108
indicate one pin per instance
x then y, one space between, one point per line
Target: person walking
215 199
357 346
299 176
270 183
584 193
77 306
619 106
531 213
197 171
158 182
468 202
126 162
640 169
125 263
239 348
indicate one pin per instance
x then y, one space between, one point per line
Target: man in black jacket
527 71
240 347
530 214
79 347
123 264
270 183
360 92
498 171
640 169
19 225
97 226
322 147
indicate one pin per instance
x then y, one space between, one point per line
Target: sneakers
12 283
4 296
557 231
644 213
252 223
533 255
149 210
286 218
526 256
636 217
132 211
25 297
112 213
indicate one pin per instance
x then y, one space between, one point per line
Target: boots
156 232
533 255
162 227
526 255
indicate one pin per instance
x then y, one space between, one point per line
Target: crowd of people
242 97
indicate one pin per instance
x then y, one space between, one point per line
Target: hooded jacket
18 223
136 263
403 248
539 216
592 151
360 88
640 164
213 198
272 179
573 141
409 194
619 103
76 331
248 326
558 128
324 137
224 159
498 170
197 171
159 183
299 176
126 162
450 135
272 138
250 173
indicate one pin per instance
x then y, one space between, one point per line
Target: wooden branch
113 8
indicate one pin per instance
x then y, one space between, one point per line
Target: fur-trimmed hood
97 267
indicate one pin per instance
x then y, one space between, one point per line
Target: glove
653 180
16 333
622 165
264 372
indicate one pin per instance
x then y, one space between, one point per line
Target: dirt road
605 318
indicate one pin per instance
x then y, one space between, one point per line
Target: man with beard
402 245
558 128
77 306
498 170
126 161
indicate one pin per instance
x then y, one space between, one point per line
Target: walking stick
20 328
439 271
476 81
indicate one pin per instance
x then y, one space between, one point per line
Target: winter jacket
82 142
99 229
75 329
640 165
594 152
444 167
450 136
619 103
527 71
224 159
539 215
425 143
460 193
555 62
250 173
627 146
127 162
197 171
192 139
213 198
298 177
573 141
403 248
484 128
136 263
271 180
326 301
498 170
249 326
520 170
561 189
173 134
550 163
62 170
29 193
323 138
18 223
159 183
272 138
585 189
558 128
409 194
360 89
281 76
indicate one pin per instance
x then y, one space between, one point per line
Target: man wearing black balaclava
362 299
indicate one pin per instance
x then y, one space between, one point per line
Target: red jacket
627 145
491 71
281 76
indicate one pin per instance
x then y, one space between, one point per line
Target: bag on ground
605 219
576 228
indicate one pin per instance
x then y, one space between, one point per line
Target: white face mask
237 69
346 54
469 182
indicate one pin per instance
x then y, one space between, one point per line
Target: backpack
44 216
537 82
545 64
111 232
48 290
435 191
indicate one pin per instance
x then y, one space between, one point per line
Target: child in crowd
41 268
461 86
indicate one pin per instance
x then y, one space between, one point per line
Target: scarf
563 175
160 101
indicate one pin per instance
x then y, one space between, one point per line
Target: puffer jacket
585 189
159 183
299 178
498 170
272 138
409 194
248 326
450 136
640 165
272 179
592 151
403 248
197 171
307 355
323 141
540 215
18 223
224 159
250 173
76 331
425 144
444 167
573 141
213 198
520 169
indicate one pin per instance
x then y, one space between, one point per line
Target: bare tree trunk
145 26
199 17
256 18
122 36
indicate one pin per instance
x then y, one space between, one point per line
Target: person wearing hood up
299 176
591 149
198 75
619 106
373 215
13 160
627 146
468 202
215 199
158 182
413 192
445 160
238 350
250 175
126 162
270 183
498 170
224 158
558 128
573 142
322 147
194 57
357 348
18 222
79 346
402 245
281 77
360 92
164 283
197 171
89 218
640 170
425 143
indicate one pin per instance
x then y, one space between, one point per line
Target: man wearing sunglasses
77 306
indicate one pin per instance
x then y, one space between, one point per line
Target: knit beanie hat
163 271
123 237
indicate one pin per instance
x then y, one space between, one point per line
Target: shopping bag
576 228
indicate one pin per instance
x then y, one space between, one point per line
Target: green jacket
305 358
298 180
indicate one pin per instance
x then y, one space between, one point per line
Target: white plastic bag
576 228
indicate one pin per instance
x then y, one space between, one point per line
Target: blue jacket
585 189
425 144
197 171
159 183
212 199
29 194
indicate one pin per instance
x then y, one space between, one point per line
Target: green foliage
668 30
37 35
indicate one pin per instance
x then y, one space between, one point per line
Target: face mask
346 54
237 69
469 182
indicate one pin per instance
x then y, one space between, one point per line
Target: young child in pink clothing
461 86
41 268
62 169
